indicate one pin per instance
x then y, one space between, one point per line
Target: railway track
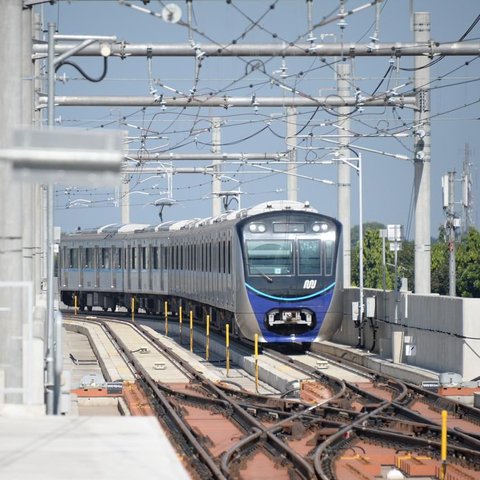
224 431
382 411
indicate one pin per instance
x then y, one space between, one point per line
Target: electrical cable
82 72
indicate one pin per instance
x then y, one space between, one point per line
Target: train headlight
257 227
324 227
316 227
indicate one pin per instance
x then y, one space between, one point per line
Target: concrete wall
436 323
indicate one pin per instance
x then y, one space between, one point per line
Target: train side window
309 257
224 257
328 256
165 257
143 251
229 256
88 257
105 258
133 258
219 257
73 258
154 254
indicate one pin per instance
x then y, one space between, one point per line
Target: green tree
372 258
440 282
468 265
406 263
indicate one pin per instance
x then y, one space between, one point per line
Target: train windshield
309 257
270 257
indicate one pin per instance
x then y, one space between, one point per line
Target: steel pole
186 101
50 356
361 308
125 49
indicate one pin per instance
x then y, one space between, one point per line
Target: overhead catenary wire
302 126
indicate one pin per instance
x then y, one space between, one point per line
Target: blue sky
387 181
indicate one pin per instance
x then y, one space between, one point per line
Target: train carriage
270 270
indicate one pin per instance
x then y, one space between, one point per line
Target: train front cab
289 262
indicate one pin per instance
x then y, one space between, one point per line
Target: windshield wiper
264 275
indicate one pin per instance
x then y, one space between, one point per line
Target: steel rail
461 410
302 467
300 464
167 409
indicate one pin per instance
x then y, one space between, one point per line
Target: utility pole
216 182
343 171
451 224
292 188
467 202
421 26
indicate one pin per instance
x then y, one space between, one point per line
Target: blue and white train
270 270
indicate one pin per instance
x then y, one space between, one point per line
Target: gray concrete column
421 27
343 171
11 213
217 168
292 188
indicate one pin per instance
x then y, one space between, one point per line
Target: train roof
175 225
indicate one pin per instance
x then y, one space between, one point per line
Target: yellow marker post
75 304
207 339
191 331
166 318
180 321
227 347
133 309
443 469
256 362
